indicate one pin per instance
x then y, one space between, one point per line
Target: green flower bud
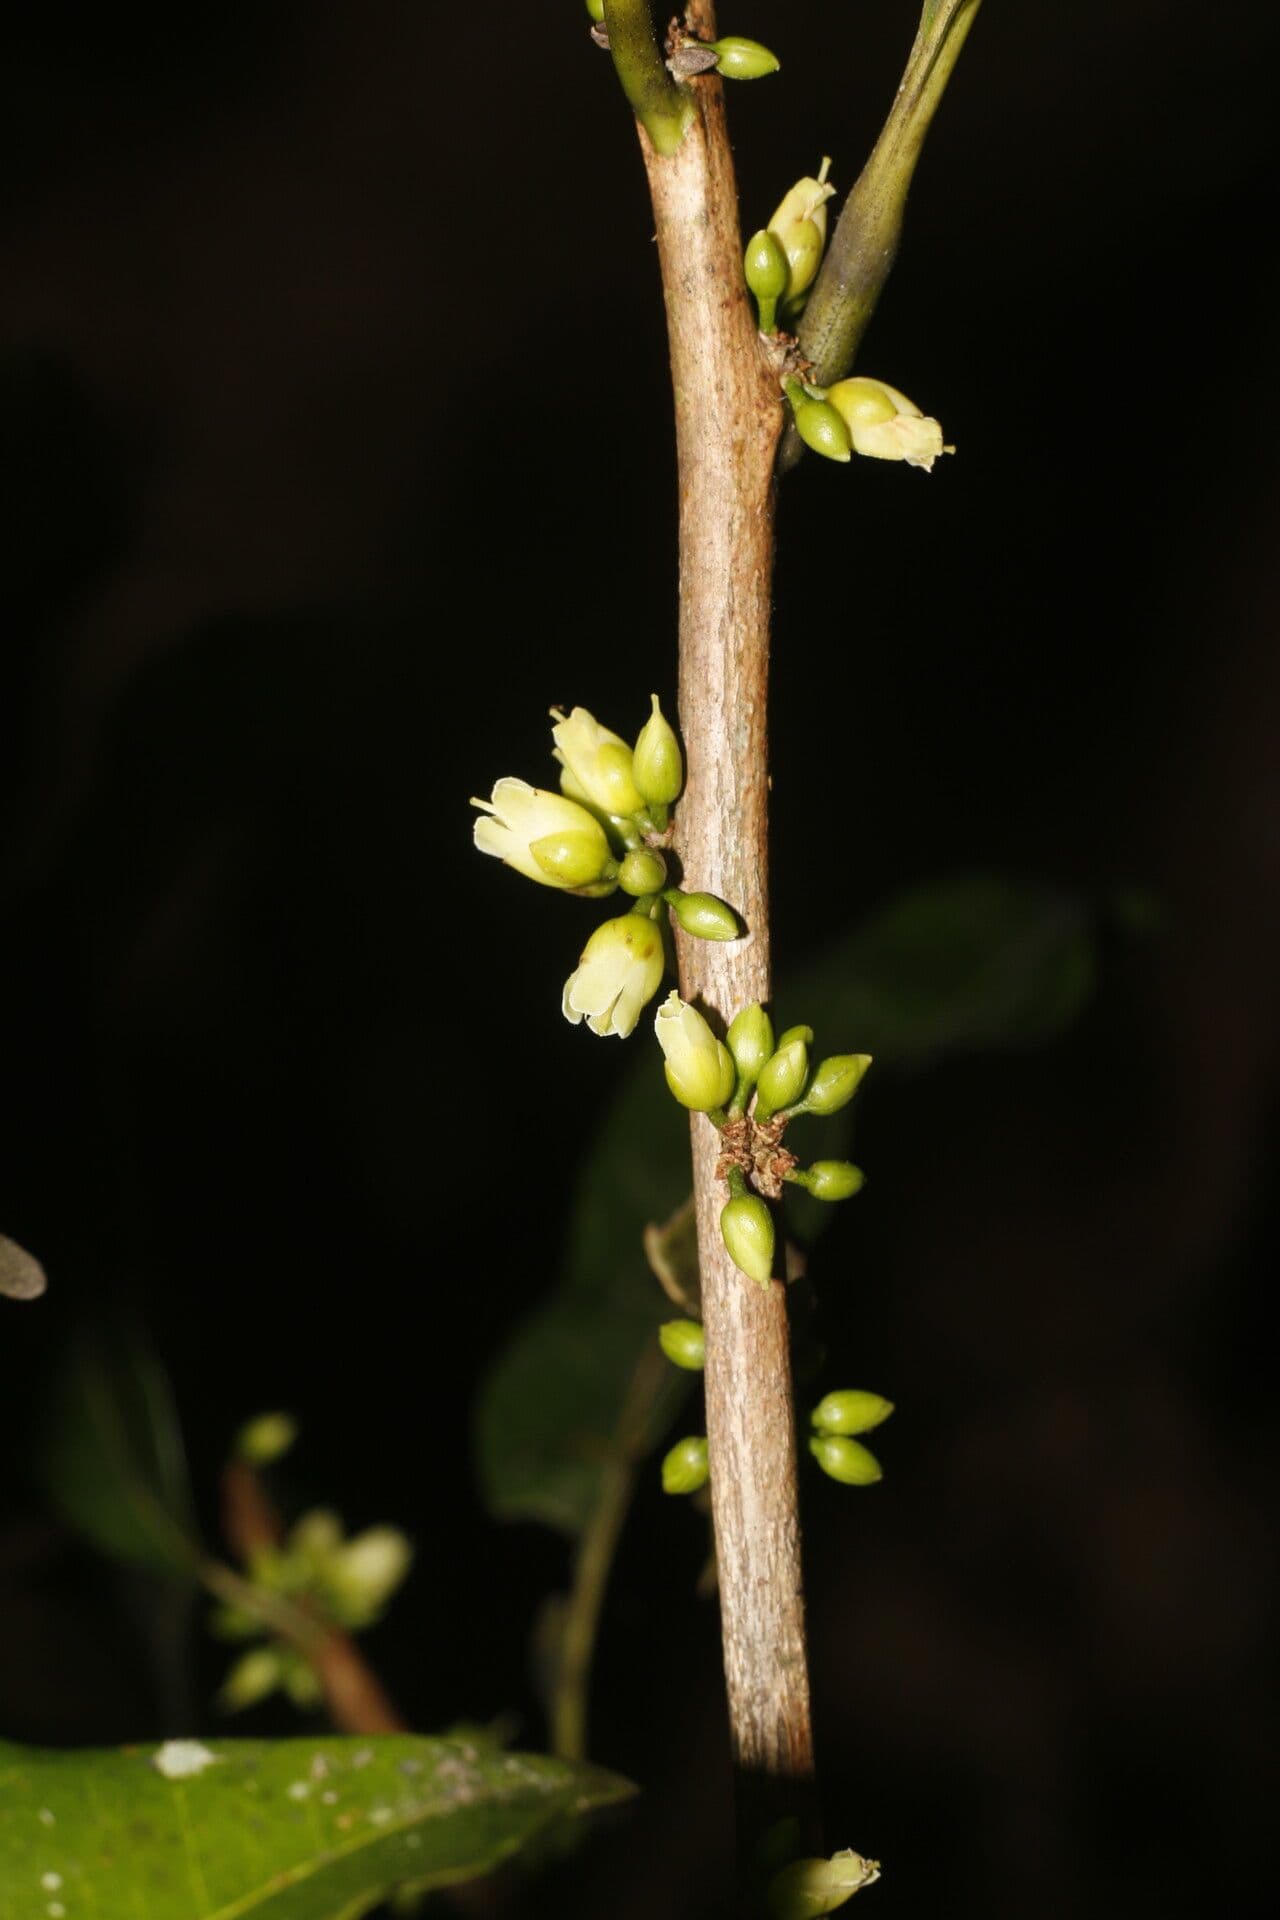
818 424
620 971
684 1344
518 817
884 425
266 1439
764 265
746 1225
703 915
835 1082
700 1070
315 1537
800 222
301 1681
642 871
851 1411
830 1179
783 1074
750 1041
599 763
807 1889
364 1573
658 766
572 860
685 1468
596 9
251 1678
845 1460
791 1034
741 59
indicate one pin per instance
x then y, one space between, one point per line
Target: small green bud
700 1070
851 1411
808 1889
685 1468
764 265
789 1034
315 1537
266 1439
250 1679
835 1082
657 764
741 59
884 425
363 1574
750 1041
618 973
642 871
845 1460
684 1344
301 1681
599 763
572 859
596 9
800 222
782 1076
818 424
830 1179
703 915
746 1225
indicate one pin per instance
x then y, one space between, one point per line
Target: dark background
337 449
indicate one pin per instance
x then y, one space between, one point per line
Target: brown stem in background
728 419
354 1697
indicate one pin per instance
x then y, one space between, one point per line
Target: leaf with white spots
269 1830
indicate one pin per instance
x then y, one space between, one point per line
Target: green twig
594 1559
866 238
663 107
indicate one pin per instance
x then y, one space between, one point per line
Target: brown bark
728 419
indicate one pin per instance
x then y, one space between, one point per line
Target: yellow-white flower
800 222
521 821
884 425
700 1069
619 973
598 765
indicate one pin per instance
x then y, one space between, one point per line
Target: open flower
546 837
700 1069
619 973
597 764
884 425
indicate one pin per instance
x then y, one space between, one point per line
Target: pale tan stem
728 419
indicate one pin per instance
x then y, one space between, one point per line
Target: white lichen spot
319 1767
379 1815
182 1759
298 1789
362 1759
47 1817
51 1882
329 1798
56 1910
411 1767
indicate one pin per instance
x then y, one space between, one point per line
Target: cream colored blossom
598 763
619 973
884 425
700 1069
518 818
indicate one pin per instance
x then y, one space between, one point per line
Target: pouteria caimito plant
762 345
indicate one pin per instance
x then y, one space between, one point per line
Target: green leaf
112 1454
971 963
277 1830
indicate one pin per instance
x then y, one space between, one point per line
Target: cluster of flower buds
782 260
836 1419
604 831
339 1581
751 1086
867 417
